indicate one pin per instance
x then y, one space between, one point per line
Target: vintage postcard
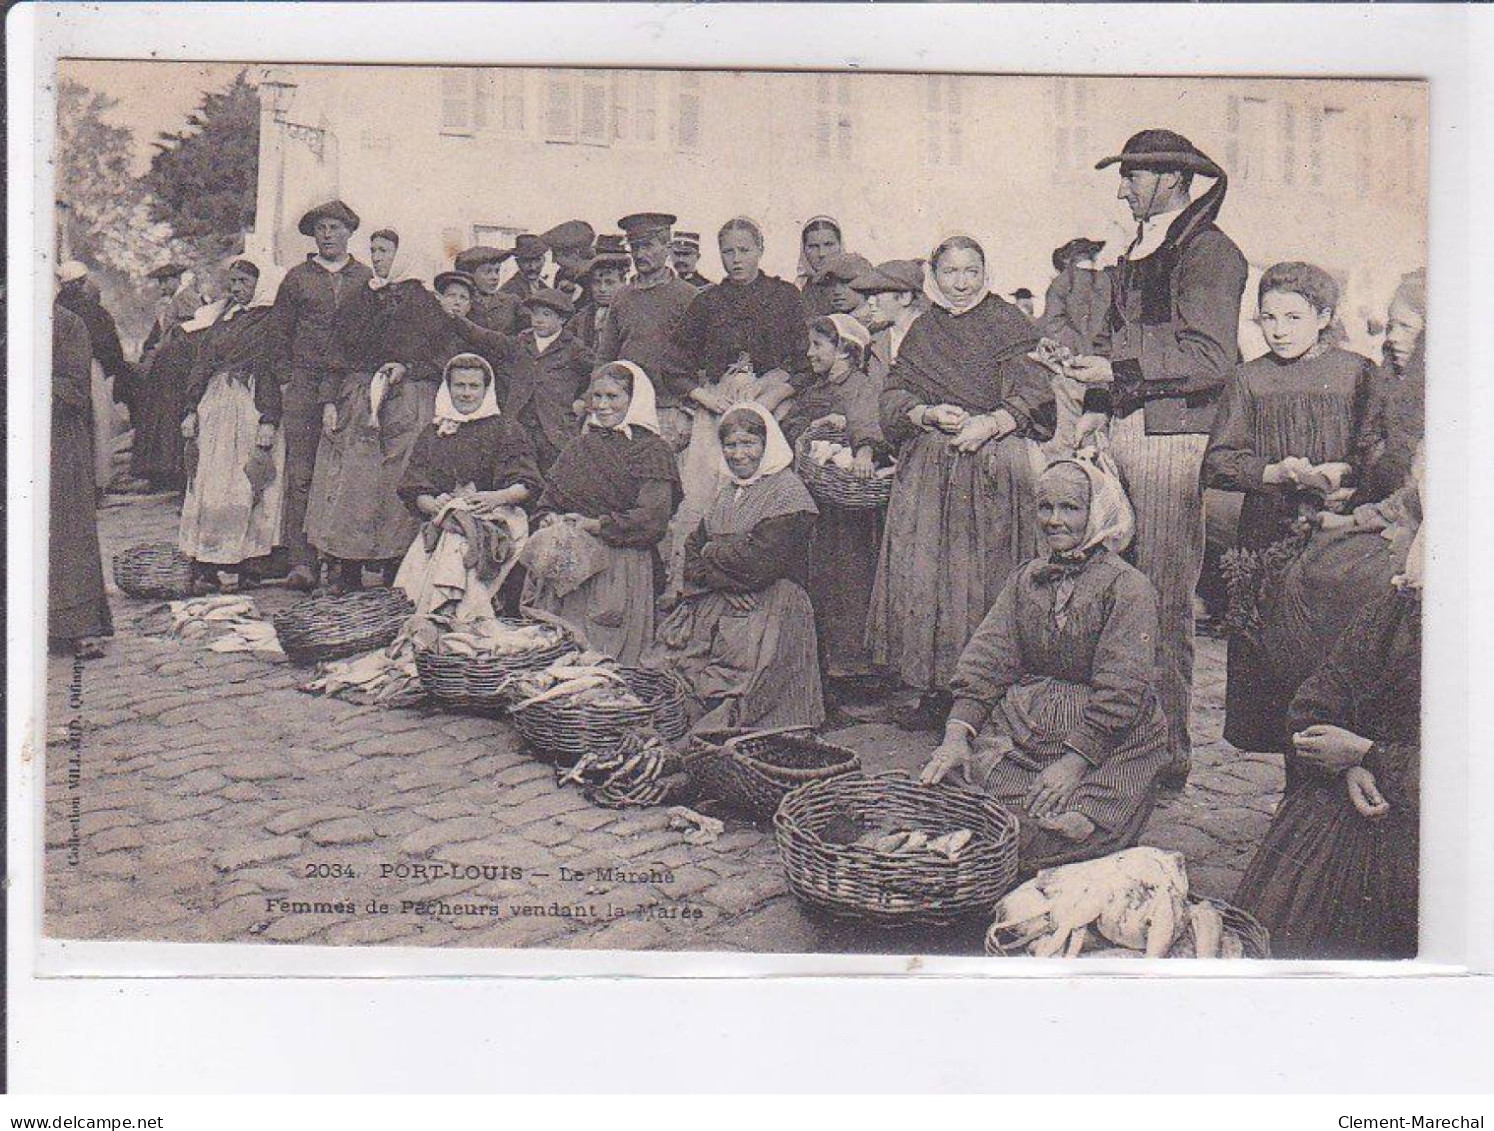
736 511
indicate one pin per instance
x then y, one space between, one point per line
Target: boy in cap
647 313
1169 342
684 250
840 272
492 307
604 277
307 362
570 245
894 299
529 254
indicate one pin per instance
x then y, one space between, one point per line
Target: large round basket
157 570
476 683
1254 938
335 627
886 889
751 771
831 484
561 731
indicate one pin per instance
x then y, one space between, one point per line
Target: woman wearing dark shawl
594 562
742 635
1056 709
469 484
389 332
1336 875
156 452
966 405
77 609
236 489
820 241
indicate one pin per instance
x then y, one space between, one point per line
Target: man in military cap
684 251
570 244
645 316
529 254
1168 344
493 308
308 364
894 299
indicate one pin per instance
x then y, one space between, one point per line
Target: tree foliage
202 178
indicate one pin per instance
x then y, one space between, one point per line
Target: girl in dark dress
470 480
1285 434
1336 876
607 502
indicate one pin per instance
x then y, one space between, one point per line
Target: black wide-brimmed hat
530 246
1162 151
332 209
1080 247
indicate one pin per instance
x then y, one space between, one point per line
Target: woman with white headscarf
1056 710
469 482
742 635
594 562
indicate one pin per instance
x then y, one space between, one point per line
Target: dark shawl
632 485
240 346
491 454
402 322
763 319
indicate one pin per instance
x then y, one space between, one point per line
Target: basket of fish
466 666
824 460
890 851
156 570
1131 904
587 704
752 771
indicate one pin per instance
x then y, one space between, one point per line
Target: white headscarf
448 417
777 455
852 330
932 292
643 411
1112 522
265 289
402 270
804 274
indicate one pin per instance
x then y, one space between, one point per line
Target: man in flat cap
493 308
840 270
603 280
684 252
570 244
894 299
645 316
529 255
1169 342
308 364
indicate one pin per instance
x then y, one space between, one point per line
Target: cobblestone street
201 789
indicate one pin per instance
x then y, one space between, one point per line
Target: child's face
456 300
1290 323
545 321
487 277
467 387
1403 328
605 283
843 298
822 353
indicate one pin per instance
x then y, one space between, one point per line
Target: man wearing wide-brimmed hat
308 364
529 256
1169 342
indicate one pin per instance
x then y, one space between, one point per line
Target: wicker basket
157 570
561 732
1255 938
751 771
335 627
885 889
476 683
831 484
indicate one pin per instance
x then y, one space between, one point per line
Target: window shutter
1287 142
456 101
688 113
622 107
513 102
482 94
560 107
594 124
956 119
646 111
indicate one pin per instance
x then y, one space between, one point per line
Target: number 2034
330 872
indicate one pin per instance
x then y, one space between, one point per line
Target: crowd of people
608 438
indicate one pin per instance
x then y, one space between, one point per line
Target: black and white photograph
764 512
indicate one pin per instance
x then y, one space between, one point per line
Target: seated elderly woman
1056 710
469 480
742 635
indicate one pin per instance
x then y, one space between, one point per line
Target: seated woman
742 635
1056 710
1336 873
232 511
469 480
615 486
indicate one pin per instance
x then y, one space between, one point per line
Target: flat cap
446 278
549 296
332 210
904 275
475 257
167 271
845 267
572 235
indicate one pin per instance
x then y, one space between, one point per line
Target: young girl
743 635
617 485
1056 709
1285 435
472 472
843 562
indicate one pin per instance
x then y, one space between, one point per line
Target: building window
560 106
834 132
506 90
495 235
1247 127
458 101
687 113
577 108
1071 104
943 120
635 109
1286 141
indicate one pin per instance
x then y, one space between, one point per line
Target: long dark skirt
1328 883
156 453
843 569
76 605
